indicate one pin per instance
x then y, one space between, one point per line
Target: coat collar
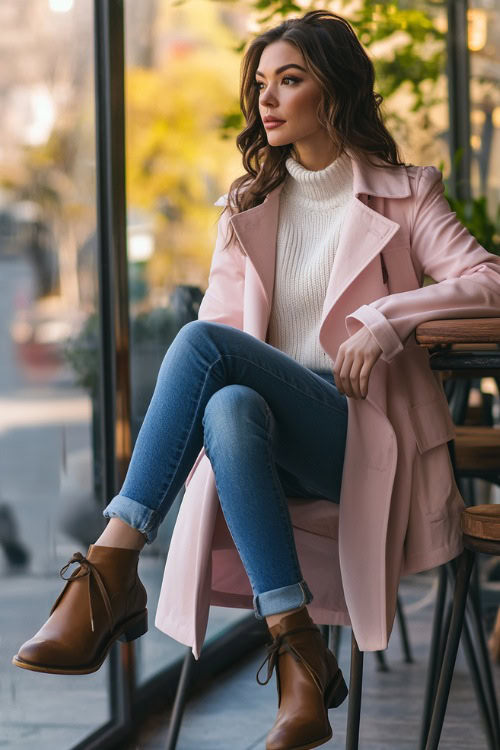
365 233
385 182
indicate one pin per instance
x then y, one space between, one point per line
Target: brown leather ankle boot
309 682
102 601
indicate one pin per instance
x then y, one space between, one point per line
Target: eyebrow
283 67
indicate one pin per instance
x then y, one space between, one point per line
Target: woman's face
291 95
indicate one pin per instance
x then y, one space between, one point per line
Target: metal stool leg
355 688
382 664
481 693
337 635
450 656
325 632
476 616
380 655
483 698
404 632
488 677
481 664
180 700
435 657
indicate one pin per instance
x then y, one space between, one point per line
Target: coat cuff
379 327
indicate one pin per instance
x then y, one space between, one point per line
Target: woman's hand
354 361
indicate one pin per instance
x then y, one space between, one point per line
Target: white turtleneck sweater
312 210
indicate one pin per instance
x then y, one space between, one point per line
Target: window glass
182 73
49 453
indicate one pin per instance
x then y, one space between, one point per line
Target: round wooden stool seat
482 522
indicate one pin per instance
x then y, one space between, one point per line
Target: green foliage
419 55
159 325
474 214
82 353
420 58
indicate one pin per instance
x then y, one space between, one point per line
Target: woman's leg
204 359
119 534
293 486
242 439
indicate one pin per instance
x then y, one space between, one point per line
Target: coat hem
420 563
173 631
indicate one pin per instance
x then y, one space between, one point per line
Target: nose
267 100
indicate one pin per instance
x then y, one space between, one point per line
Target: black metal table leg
355 688
404 632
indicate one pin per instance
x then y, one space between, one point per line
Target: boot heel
138 627
337 691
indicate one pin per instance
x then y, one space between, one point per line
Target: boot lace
87 567
273 651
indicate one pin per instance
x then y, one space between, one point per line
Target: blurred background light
61 6
477 28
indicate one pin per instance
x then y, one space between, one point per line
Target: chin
275 140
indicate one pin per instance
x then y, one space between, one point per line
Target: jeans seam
164 491
234 540
286 518
293 557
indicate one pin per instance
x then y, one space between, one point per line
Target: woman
300 379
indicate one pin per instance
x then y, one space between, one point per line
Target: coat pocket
432 467
432 423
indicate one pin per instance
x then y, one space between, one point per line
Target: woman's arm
468 276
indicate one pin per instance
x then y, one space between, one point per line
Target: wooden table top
458 331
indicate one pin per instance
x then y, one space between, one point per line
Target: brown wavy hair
349 108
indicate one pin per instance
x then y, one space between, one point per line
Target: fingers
352 377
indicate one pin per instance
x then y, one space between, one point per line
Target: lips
273 124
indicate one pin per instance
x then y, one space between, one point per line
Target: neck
327 187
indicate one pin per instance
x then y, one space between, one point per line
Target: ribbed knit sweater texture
312 209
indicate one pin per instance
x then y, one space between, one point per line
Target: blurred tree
408 48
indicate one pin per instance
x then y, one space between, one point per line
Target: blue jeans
271 428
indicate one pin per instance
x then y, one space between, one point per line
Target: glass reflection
181 77
49 468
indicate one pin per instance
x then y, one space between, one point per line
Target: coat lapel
364 235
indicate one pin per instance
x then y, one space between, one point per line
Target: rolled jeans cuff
144 519
281 600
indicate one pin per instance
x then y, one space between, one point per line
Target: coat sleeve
467 275
223 299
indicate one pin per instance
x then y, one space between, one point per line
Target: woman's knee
194 328
232 410
199 328
194 336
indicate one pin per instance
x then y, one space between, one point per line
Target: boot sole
127 631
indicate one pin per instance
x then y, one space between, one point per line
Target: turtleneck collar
328 187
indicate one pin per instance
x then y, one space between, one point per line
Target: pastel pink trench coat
400 506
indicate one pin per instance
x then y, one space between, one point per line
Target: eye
290 78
